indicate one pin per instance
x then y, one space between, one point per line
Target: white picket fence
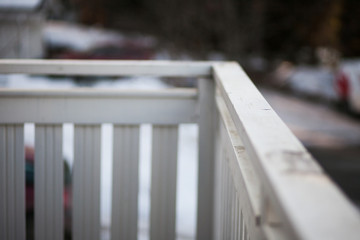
255 179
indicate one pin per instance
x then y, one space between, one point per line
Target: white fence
255 179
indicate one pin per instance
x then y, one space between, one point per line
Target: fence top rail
167 93
308 204
107 67
97 106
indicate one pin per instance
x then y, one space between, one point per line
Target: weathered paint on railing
107 68
298 200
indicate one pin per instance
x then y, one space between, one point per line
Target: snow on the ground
187 154
34 82
149 83
82 38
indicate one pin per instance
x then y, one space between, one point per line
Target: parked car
126 50
347 85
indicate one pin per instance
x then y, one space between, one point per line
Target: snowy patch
81 38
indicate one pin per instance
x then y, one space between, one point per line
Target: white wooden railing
255 179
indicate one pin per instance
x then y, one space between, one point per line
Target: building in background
21 24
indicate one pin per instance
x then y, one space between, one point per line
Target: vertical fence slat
163 182
10 138
19 182
237 218
86 184
245 233
40 203
48 182
96 178
223 198
233 210
218 184
226 185
87 166
78 189
227 198
3 183
12 186
125 182
242 224
58 184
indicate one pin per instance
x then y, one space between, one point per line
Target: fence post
205 201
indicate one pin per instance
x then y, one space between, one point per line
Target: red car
347 85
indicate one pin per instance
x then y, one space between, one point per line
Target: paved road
332 137
316 124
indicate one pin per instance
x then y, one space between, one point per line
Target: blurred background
304 56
